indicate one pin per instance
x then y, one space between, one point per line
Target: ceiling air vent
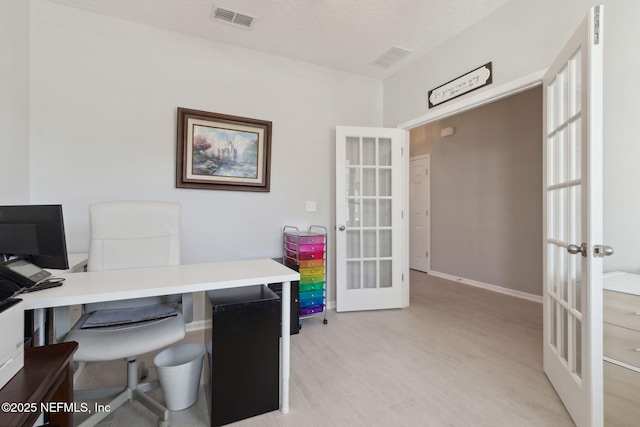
232 17
390 57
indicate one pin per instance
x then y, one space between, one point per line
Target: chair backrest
133 234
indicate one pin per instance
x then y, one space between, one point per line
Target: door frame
458 106
455 107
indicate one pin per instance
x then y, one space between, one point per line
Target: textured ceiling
346 35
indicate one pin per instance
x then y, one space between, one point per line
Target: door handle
602 251
341 228
599 251
575 249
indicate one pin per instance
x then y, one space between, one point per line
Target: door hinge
403 277
427 212
427 254
596 26
402 151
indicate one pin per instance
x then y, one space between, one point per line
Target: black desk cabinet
295 297
244 364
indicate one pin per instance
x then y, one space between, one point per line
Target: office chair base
133 392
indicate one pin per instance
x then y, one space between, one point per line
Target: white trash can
179 371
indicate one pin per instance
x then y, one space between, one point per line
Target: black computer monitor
35 233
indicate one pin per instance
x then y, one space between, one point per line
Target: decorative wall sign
221 152
466 83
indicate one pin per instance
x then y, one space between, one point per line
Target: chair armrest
187 307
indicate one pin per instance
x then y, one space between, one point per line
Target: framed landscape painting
222 152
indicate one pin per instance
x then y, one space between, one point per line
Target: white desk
77 263
81 288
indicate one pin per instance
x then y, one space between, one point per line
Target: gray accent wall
486 192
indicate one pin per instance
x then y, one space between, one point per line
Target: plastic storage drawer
311 271
314 247
306 287
312 263
311 310
311 302
306 256
311 279
304 240
312 294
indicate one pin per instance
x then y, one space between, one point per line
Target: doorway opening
486 180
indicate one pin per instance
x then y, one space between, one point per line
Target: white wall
104 93
522 38
622 135
103 127
14 101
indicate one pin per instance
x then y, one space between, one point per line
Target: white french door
369 209
573 222
419 201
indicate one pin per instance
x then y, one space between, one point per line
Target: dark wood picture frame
222 152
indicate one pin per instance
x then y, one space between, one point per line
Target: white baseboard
197 325
487 286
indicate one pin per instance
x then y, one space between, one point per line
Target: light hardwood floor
459 356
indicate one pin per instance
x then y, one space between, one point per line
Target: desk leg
286 320
39 315
61 322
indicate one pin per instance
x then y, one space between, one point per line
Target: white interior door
419 201
573 223
369 208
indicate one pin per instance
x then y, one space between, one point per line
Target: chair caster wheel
164 423
325 321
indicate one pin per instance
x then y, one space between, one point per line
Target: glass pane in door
369 213
370 246
368 182
352 154
369 274
353 182
385 213
385 243
577 355
353 275
385 274
384 152
369 151
353 244
384 182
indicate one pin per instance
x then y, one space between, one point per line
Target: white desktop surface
628 283
98 286
88 287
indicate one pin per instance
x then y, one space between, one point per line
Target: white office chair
131 234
